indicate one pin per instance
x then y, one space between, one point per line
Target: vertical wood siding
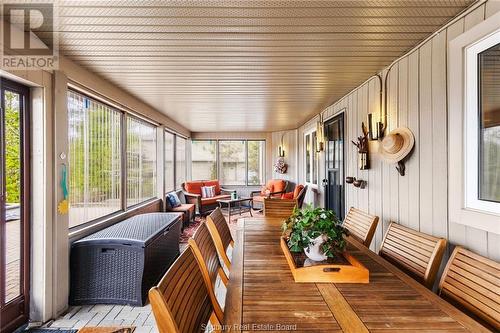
417 98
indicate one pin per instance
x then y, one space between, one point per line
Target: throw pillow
208 191
173 199
288 195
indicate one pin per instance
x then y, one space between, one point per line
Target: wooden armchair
274 188
416 253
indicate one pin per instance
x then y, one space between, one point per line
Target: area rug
191 229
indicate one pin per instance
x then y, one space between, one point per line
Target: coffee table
235 206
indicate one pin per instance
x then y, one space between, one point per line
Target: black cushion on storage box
119 264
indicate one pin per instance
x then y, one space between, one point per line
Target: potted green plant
316 231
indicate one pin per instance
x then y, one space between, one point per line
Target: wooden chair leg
215 323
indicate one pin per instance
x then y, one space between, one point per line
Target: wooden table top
262 295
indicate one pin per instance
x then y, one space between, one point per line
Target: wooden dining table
263 296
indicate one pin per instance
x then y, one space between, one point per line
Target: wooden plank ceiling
244 65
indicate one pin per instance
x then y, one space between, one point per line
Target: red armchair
274 189
192 192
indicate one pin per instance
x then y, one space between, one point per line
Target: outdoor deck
13 269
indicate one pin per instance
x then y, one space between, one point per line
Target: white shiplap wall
417 98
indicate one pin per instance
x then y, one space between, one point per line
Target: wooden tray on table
345 269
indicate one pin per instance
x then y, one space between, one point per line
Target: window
489 124
94 159
256 153
473 125
141 161
232 162
203 159
180 161
311 161
169 162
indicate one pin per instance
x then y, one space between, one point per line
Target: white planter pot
314 251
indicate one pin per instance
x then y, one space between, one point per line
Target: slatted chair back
279 207
205 251
416 253
220 233
472 282
181 302
361 225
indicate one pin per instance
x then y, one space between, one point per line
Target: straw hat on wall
397 145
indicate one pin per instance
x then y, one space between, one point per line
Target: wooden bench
416 253
361 225
472 282
279 207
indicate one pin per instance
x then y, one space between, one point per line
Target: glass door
14 207
334 182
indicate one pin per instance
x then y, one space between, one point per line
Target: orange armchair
274 188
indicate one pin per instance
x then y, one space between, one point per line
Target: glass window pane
180 161
13 227
314 165
256 162
232 162
489 131
94 164
141 161
308 158
169 162
203 160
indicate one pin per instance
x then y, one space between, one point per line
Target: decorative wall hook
356 182
401 167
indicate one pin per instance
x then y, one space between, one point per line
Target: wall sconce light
320 135
281 149
375 128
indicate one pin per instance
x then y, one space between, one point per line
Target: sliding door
14 205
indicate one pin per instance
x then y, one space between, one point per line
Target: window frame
124 113
218 161
314 162
124 160
462 100
176 137
216 155
168 132
473 124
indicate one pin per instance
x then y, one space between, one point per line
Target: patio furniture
187 209
192 192
235 206
206 253
361 225
274 188
262 290
182 302
119 264
221 234
279 207
472 282
299 193
416 253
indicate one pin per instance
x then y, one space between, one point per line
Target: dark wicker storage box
119 264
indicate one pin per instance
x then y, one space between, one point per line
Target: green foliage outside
307 224
95 165
12 147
